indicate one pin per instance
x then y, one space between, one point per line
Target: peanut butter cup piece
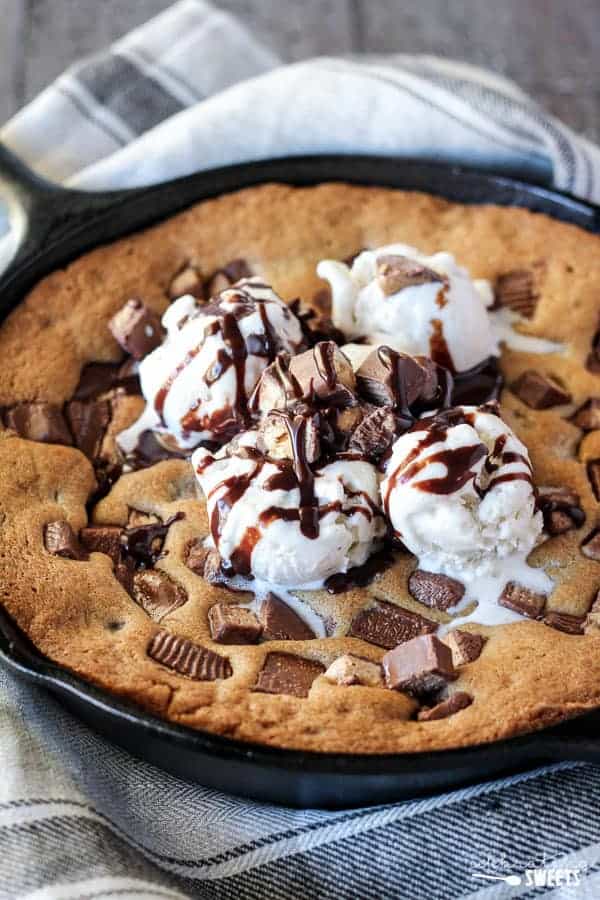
387 625
279 432
223 278
561 509
88 423
452 704
395 272
324 372
522 600
136 328
281 623
348 670
590 547
538 391
593 473
196 554
564 622
465 646
375 433
284 673
587 417
61 540
37 421
186 658
230 624
157 593
103 539
420 666
516 290
188 280
593 361
435 591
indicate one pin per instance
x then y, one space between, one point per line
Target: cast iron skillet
59 225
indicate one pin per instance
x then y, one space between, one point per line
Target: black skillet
58 226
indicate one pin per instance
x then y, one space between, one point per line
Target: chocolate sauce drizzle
459 462
229 307
144 543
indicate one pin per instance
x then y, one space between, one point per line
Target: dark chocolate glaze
144 543
360 576
478 385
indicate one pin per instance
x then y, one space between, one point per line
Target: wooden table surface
550 47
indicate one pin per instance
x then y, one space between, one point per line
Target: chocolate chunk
187 658
42 422
283 673
60 540
196 553
223 278
590 547
150 450
136 328
516 291
435 591
97 380
315 326
564 622
539 392
465 646
124 571
561 509
281 623
230 624
587 417
522 600
387 625
324 372
348 670
593 473
88 422
395 272
593 360
145 542
389 378
375 433
157 593
187 281
103 539
452 704
420 666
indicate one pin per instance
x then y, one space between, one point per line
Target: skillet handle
49 224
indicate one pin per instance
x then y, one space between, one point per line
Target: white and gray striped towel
81 819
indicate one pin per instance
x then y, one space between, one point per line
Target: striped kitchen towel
78 817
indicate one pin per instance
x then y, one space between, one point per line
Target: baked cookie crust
77 613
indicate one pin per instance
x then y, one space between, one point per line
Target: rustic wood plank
62 31
11 56
549 47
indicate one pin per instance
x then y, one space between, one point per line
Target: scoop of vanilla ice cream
197 383
254 522
419 318
458 491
